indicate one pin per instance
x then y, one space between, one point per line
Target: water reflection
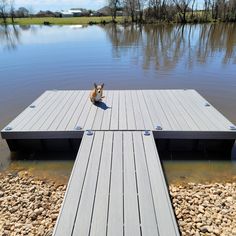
164 46
9 36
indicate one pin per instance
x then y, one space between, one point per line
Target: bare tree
3 10
182 7
114 5
12 11
130 7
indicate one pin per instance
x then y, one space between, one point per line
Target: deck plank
131 205
156 111
99 219
114 125
102 109
130 111
74 120
122 111
107 115
67 215
167 108
148 124
115 212
219 120
85 209
72 110
177 111
165 215
81 120
46 109
91 117
147 212
66 109
137 112
195 115
28 113
45 121
58 114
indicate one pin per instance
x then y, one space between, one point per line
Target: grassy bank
64 21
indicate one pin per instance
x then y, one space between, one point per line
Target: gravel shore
29 206
205 209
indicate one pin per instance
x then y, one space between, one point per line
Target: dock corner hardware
89 132
78 128
158 127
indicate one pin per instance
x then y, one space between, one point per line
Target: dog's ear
95 85
102 85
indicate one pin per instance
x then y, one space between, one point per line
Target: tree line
182 11
8 10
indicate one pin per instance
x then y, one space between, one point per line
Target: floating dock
117 186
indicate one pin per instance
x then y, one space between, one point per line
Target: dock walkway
117 186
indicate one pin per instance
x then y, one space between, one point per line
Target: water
37 58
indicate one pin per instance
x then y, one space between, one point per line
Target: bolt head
89 132
207 104
158 127
8 128
146 132
78 128
32 106
232 127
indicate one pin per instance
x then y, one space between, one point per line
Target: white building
71 13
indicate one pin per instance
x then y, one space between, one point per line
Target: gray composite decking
117 188
179 113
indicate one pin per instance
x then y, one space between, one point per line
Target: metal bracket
78 127
147 132
207 104
89 132
158 127
8 128
32 106
232 127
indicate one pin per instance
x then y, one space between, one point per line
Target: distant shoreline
87 21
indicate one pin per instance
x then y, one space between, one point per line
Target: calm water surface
37 58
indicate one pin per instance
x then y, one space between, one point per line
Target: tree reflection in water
164 46
9 36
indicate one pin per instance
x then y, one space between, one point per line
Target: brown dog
96 95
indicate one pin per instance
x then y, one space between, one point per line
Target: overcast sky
37 5
54 5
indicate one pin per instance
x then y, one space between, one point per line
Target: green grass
64 21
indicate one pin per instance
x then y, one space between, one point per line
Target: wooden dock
117 186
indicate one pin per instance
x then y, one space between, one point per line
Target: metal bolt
89 132
78 127
158 127
207 104
8 128
232 127
32 106
146 132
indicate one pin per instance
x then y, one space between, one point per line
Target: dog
96 95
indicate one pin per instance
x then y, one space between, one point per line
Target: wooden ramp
117 188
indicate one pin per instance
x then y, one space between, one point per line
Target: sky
54 5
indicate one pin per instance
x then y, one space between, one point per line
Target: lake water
37 58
